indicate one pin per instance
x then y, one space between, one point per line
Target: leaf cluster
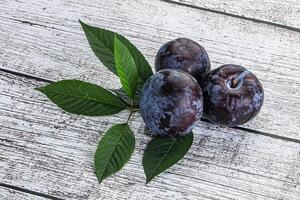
116 147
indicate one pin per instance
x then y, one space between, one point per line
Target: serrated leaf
126 68
163 152
143 67
102 44
79 97
114 150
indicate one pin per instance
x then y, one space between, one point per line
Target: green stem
129 116
135 110
132 110
131 113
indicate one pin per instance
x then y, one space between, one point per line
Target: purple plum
171 103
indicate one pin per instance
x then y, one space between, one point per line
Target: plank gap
29 191
29 76
234 15
260 132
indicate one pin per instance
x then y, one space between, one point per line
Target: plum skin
232 95
184 54
171 103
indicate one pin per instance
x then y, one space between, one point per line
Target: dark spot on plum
166 89
165 121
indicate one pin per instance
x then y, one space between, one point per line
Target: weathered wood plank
9 194
48 42
46 150
282 13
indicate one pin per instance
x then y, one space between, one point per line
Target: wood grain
9 194
46 41
46 150
279 12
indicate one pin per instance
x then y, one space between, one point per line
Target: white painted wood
48 151
49 43
10 194
279 12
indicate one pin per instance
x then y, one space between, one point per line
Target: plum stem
233 83
236 81
242 75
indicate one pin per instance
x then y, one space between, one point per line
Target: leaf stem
131 113
129 116
131 105
135 109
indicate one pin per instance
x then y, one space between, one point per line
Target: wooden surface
60 50
278 13
8 194
46 153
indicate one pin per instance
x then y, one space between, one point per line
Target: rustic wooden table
47 154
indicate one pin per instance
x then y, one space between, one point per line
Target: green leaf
102 44
126 68
143 67
163 152
83 98
114 150
124 97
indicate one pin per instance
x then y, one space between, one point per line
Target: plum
184 54
171 103
232 95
